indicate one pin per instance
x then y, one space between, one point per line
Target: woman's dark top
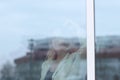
49 75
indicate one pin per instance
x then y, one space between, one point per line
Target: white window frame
90 41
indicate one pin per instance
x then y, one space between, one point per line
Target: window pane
107 39
43 39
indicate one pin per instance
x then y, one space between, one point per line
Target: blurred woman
55 59
68 63
57 52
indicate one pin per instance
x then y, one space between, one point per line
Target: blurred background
107 39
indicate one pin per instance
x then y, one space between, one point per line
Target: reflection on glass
43 40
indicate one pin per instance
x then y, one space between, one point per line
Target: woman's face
51 54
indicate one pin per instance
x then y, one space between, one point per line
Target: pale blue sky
24 19
107 17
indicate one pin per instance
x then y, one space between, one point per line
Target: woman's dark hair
55 56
